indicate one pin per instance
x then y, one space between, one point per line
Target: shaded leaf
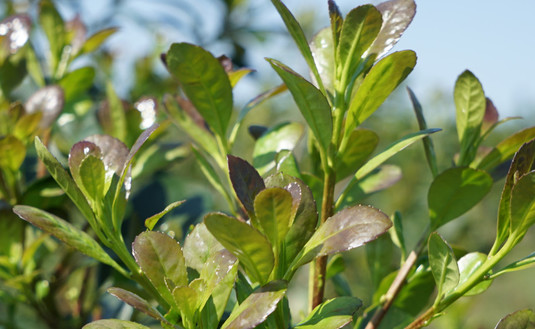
468 265
256 308
443 264
47 100
246 182
96 40
136 302
152 220
199 246
335 266
114 324
361 144
523 205
506 149
311 103
281 137
273 214
524 319
251 247
331 314
379 255
454 192
205 82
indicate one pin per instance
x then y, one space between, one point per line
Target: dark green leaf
47 100
331 314
136 302
96 40
67 233
281 137
246 182
470 106
443 264
12 153
310 101
454 192
398 238
114 324
506 149
199 246
76 82
361 144
273 214
160 257
152 220
378 84
245 242
524 319
255 308
379 255
523 205
205 82
468 265
397 15
335 266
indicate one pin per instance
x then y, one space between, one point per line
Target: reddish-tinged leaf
246 181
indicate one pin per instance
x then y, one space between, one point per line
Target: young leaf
152 220
245 242
382 79
524 319
454 192
187 300
160 257
256 308
468 265
273 210
67 233
506 149
470 106
310 101
523 205
114 324
361 144
205 82
246 182
397 15
331 314
136 302
443 265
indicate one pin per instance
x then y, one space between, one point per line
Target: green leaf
26 126
392 150
274 215
361 144
299 37
152 220
310 101
251 247
454 192
96 40
67 233
76 82
523 205
337 20
506 149
524 319
187 300
210 173
397 15
199 246
470 106
359 30
136 302
378 84
54 28
205 82
246 182
468 265
281 137
287 164
322 47
92 174
398 238
347 229
331 314
116 112
12 153
335 266
379 255
114 324
443 265
160 257
256 308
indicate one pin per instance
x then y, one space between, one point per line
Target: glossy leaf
67 233
92 173
76 82
12 153
96 40
281 137
47 100
347 229
114 324
470 106
397 15
287 164
331 314
506 149
361 144
454 192
310 101
378 84
152 220
246 182
205 82
322 48
15 32
256 308
359 30
443 264
136 302
251 247
392 150
160 257
524 319
523 205
337 21
273 210
468 265
199 246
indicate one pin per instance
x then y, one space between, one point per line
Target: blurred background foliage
55 287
